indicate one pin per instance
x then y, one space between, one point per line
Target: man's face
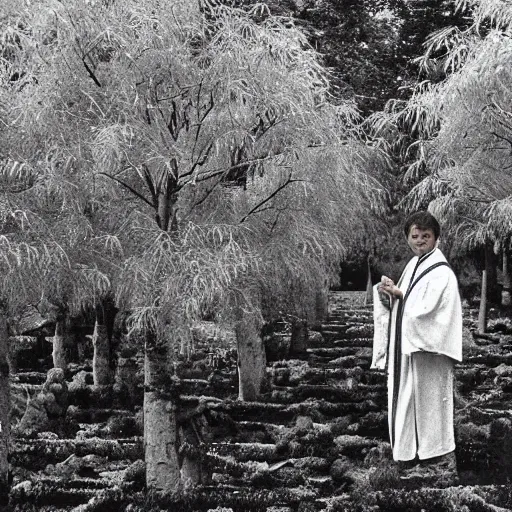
421 241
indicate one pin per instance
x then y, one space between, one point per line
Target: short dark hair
422 220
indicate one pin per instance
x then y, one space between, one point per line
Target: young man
418 337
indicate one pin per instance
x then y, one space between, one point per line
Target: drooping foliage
197 142
459 129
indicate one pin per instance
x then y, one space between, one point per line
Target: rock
309 464
121 426
298 370
360 330
339 469
503 370
93 461
380 454
340 425
81 380
280 376
315 339
304 423
136 472
24 487
47 410
51 436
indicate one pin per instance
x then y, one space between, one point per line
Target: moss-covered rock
46 412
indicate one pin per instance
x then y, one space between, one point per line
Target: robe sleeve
432 318
380 331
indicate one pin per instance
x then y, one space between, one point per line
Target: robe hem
437 454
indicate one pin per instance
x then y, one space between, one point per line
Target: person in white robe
418 338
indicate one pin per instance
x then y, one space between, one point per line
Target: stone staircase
317 439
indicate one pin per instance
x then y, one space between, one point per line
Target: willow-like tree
208 133
459 162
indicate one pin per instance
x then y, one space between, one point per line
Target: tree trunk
251 357
160 426
193 433
368 299
101 338
100 360
299 337
482 313
507 281
5 405
491 265
64 346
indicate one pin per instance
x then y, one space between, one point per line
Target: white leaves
16 176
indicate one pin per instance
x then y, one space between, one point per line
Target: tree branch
201 119
91 73
201 160
146 176
261 203
503 138
131 189
207 195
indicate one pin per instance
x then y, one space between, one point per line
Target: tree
212 160
460 159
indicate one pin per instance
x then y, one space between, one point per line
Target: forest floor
317 439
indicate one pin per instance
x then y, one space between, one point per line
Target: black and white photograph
255 255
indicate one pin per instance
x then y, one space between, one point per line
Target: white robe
422 349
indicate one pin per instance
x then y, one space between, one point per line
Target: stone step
354 361
37 453
272 453
242 497
95 415
212 497
335 375
364 341
49 496
29 377
351 334
245 452
356 446
32 389
285 414
343 310
252 431
333 352
489 359
342 326
335 394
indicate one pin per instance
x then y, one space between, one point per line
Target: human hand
387 285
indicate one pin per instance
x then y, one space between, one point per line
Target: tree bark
482 313
64 346
5 405
193 432
506 298
160 425
101 341
491 265
251 357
